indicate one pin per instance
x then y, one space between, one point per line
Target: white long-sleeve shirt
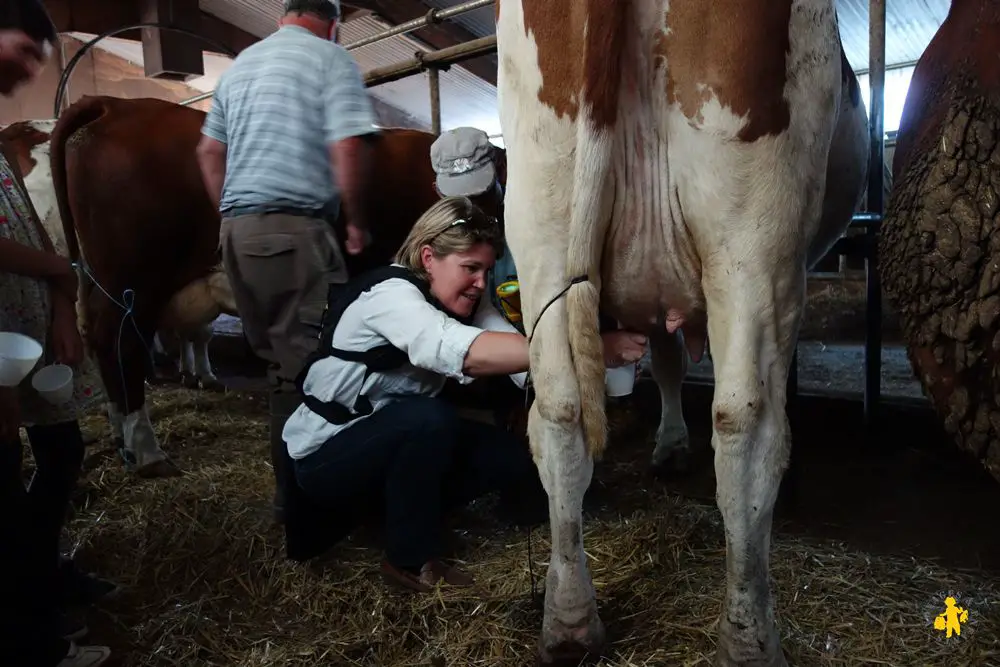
393 311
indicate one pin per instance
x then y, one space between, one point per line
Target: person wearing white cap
466 164
284 144
464 160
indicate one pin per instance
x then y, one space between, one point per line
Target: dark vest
379 359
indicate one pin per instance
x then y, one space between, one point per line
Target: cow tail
72 119
589 210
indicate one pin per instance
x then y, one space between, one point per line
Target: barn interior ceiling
910 25
468 91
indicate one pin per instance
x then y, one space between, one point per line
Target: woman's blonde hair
452 224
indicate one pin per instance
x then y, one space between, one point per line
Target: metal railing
430 18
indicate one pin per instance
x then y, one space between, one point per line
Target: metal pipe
876 169
474 48
448 56
866 220
432 16
434 79
197 98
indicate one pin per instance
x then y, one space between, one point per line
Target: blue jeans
418 458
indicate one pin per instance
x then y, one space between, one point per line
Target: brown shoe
431 574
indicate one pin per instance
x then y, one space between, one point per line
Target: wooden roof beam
99 17
439 36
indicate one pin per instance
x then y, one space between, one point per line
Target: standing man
283 145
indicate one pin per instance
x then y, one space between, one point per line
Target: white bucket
620 381
18 355
54 383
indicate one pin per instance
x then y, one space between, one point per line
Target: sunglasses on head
491 221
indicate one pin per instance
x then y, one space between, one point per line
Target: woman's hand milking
501 353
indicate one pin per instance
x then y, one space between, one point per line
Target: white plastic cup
18 355
620 381
54 383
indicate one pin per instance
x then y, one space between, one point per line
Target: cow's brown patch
735 49
18 140
575 61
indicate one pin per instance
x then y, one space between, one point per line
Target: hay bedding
206 582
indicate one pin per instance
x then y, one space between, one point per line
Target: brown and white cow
692 159
29 142
938 252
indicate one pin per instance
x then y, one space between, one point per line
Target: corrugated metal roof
465 98
258 17
909 27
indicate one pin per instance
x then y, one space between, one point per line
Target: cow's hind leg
165 369
753 319
189 376
198 345
122 358
669 365
571 627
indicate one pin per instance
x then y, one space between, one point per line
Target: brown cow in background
134 207
939 251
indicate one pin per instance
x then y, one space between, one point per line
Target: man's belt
267 209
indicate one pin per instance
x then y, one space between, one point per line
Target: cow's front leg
753 320
571 627
669 365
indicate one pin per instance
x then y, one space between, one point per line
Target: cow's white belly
682 193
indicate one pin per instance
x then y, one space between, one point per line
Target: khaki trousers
280 266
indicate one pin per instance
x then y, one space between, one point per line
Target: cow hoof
189 381
724 660
674 462
575 646
161 380
741 647
213 385
156 469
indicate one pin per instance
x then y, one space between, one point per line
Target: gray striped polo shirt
277 107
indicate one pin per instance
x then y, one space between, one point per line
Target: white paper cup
18 355
54 383
620 381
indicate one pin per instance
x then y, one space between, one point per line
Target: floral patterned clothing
26 308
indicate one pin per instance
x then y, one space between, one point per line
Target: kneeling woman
374 426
